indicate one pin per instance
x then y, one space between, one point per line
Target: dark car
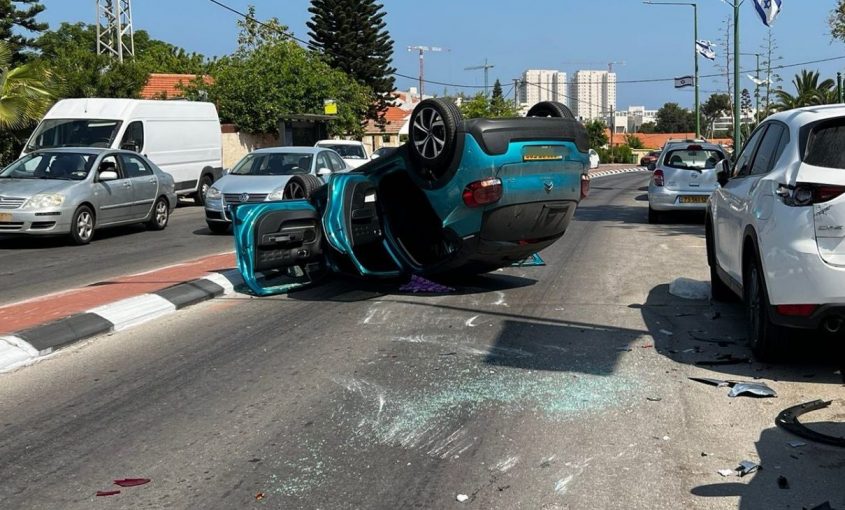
465 196
650 158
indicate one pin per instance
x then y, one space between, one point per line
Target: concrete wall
237 144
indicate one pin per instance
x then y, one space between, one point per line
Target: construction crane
608 64
115 33
486 67
422 50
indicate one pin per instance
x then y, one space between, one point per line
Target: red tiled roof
394 117
164 85
657 140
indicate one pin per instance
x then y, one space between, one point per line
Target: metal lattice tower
115 35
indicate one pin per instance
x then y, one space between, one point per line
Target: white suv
776 227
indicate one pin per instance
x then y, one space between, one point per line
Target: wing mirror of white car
324 172
722 172
108 175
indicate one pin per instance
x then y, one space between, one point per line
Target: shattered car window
826 146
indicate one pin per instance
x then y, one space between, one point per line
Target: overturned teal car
466 196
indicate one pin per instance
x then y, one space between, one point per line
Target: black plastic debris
783 483
747 467
788 419
653 399
752 389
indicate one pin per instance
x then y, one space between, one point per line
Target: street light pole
756 86
737 141
695 56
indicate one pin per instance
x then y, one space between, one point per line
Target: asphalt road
555 387
33 266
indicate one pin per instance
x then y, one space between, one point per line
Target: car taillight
658 177
808 194
796 310
482 192
585 186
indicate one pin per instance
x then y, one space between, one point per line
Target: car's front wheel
653 216
82 225
217 227
205 183
766 339
433 136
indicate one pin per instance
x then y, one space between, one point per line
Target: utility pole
756 86
839 87
115 33
737 118
422 50
486 67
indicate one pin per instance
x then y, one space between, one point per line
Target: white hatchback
776 227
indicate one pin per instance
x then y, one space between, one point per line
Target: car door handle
127 184
153 180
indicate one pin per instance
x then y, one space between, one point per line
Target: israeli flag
684 81
705 49
768 10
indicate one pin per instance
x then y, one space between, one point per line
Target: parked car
650 158
460 196
683 178
776 228
382 152
269 174
594 159
79 190
352 151
180 137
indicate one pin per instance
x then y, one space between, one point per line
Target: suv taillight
808 194
658 177
482 192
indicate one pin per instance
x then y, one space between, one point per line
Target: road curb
23 347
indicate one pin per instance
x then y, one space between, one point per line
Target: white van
181 137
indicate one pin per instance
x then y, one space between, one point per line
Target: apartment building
592 94
543 85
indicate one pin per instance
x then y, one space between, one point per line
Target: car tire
433 136
217 227
160 215
653 216
301 187
82 225
766 340
205 182
719 291
550 109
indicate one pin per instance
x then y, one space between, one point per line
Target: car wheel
653 216
433 136
205 184
160 215
217 227
301 187
82 225
719 291
767 340
550 109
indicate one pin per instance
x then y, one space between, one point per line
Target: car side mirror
108 175
374 156
652 166
130 147
323 172
722 172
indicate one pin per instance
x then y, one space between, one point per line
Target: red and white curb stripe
617 171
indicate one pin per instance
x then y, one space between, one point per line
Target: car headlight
213 193
44 201
276 194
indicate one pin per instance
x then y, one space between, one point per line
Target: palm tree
809 91
25 91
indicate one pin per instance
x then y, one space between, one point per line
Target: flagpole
695 52
737 114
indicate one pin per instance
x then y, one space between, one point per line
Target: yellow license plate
693 200
5 217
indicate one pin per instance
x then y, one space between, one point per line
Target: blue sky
653 41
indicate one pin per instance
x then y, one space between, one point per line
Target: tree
352 36
648 127
480 106
19 14
633 141
499 106
836 21
270 76
809 91
671 118
596 133
716 106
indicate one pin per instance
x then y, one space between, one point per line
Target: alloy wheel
161 213
293 190
429 133
84 225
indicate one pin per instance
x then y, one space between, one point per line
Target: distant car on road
352 151
78 190
277 173
650 158
683 178
594 159
775 229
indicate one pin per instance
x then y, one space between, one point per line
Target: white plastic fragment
689 289
726 472
462 497
666 332
797 444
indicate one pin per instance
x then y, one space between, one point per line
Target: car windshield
274 163
64 166
346 151
74 133
693 158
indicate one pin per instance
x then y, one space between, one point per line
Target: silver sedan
77 190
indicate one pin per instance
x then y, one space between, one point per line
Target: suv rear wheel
766 339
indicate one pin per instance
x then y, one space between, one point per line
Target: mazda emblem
244 197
